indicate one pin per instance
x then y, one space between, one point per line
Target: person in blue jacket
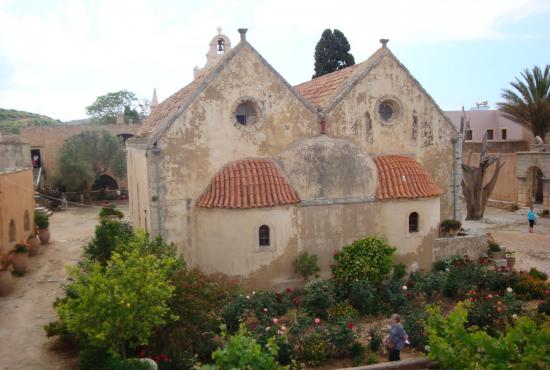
396 339
532 218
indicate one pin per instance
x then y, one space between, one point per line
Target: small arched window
26 221
264 236
246 113
13 234
413 222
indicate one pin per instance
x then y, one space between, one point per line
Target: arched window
26 221
246 113
264 236
413 222
12 231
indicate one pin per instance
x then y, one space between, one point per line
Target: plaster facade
325 153
16 193
528 164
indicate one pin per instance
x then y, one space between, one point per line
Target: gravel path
24 312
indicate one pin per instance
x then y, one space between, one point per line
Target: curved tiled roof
403 177
248 183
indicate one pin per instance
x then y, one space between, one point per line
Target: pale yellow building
16 193
243 171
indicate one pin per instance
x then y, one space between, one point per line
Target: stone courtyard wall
471 245
49 139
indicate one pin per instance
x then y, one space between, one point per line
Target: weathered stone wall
16 198
506 188
206 137
49 139
472 245
14 154
419 128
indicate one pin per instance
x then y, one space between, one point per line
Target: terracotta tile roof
248 183
320 90
403 177
168 106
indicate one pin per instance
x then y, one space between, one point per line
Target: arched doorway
535 184
105 182
125 137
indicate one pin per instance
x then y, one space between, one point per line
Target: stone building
46 141
243 171
16 193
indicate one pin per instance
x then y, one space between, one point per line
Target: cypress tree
332 53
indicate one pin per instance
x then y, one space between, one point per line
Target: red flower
499 309
350 325
288 290
294 301
547 292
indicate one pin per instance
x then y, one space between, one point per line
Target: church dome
326 168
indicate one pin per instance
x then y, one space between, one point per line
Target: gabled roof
403 177
248 183
170 109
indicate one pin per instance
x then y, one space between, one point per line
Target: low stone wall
471 245
408 364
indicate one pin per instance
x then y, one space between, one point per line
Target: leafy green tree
118 306
85 156
528 103
106 107
332 53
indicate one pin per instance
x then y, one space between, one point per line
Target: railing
36 172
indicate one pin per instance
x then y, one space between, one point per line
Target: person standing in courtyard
532 218
397 338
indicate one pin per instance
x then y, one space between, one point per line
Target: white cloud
56 61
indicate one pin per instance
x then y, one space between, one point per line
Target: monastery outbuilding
243 171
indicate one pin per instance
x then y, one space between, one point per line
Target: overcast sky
57 56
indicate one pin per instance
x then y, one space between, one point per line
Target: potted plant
495 251
6 280
511 259
20 258
450 228
34 244
42 222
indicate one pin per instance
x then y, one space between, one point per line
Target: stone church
243 171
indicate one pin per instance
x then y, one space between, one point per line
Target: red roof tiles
248 183
403 177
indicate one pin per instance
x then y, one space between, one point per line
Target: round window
246 114
386 110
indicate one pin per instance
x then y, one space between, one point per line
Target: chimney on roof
154 100
384 42
242 31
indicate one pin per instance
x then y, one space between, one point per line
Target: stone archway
105 182
535 185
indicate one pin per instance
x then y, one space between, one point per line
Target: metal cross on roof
219 30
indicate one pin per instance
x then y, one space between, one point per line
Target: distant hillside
11 120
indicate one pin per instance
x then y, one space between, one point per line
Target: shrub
530 287
372 359
21 248
394 297
453 345
366 259
306 265
241 351
267 304
429 284
314 349
414 323
108 234
375 339
365 298
342 311
197 301
319 297
341 337
41 220
448 225
118 306
537 274
234 312
461 278
544 306
491 311
357 352
399 271
110 210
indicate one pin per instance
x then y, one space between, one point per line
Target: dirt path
511 230
23 313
